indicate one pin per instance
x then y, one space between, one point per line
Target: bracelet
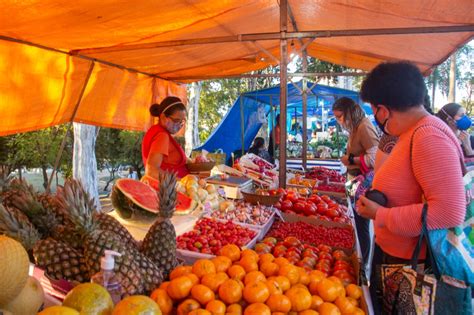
351 159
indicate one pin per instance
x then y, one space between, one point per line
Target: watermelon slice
131 197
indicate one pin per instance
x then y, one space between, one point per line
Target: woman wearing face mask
455 116
359 159
160 151
423 167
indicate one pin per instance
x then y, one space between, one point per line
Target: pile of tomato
318 207
314 234
208 236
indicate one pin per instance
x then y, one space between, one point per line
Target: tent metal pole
282 36
273 127
68 130
283 88
305 112
242 126
271 75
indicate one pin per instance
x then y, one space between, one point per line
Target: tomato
308 252
279 250
310 209
322 208
277 205
291 241
324 248
315 199
287 205
332 213
299 207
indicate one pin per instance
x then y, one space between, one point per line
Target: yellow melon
29 300
14 271
137 305
59 310
88 299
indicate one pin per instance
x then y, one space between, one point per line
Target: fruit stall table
297 163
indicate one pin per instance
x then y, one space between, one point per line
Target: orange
308 312
304 276
216 307
256 292
253 276
328 309
335 279
180 271
316 275
179 288
230 291
339 285
164 285
359 311
200 311
231 251
193 278
291 272
213 281
354 291
284 283
301 286
202 294
266 258
269 269
251 253
248 263
273 286
316 301
353 301
280 261
344 305
222 263
328 290
203 267
234 309
163 300
257 308
300 299
279 303
236 272
187 306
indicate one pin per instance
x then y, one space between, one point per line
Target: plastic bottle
107 278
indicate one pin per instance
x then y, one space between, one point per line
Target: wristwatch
351 159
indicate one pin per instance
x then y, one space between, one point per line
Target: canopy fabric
40 87
254 108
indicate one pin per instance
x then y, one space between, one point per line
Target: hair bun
155 110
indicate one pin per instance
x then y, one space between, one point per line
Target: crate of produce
256 217
267 197
207 236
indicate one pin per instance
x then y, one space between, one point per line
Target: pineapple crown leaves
167 194
15 224
79 205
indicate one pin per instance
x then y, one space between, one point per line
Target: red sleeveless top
174 158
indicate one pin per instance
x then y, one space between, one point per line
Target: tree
454 72
132 149
108 150
192 132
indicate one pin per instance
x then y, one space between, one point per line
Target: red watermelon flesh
140 193
145 196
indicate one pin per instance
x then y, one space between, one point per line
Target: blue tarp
255 106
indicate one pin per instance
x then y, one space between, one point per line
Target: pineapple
58 259
108 223
138 272
160 242
45 218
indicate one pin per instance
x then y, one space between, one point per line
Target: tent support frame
68 130
282 36
283 90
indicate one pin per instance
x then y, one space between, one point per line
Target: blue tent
251 110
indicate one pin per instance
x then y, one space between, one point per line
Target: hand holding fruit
367 208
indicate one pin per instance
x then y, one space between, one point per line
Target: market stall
102 63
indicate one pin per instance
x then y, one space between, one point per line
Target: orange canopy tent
104 62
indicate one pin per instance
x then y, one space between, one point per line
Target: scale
231 185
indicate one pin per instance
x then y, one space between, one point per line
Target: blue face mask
463 123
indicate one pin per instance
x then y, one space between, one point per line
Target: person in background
360 155
132 173
160 151
274 145
454 115
427 153
258 148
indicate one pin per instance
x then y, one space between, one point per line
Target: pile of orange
243 282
